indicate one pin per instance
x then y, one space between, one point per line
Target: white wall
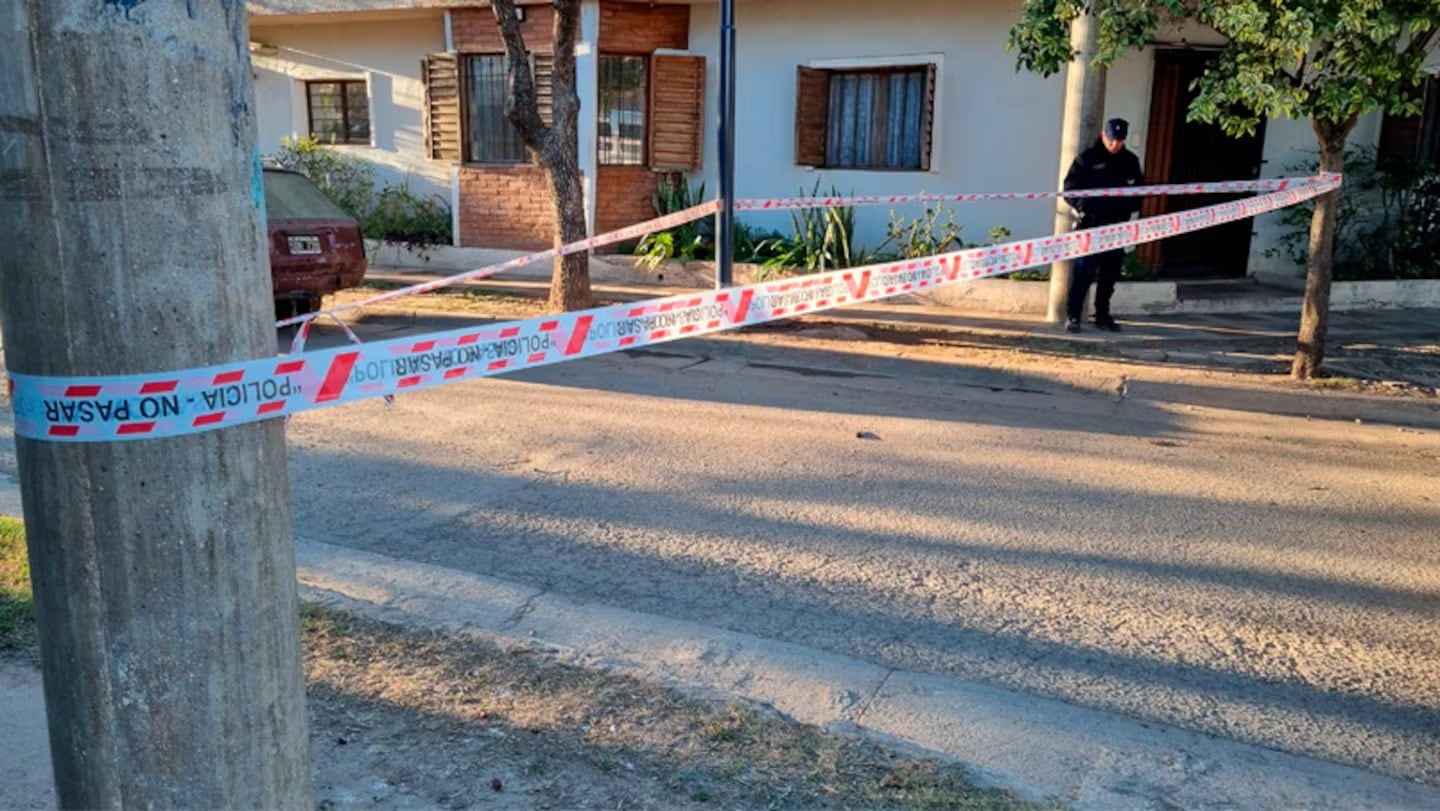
1000 129
387 55
1290 150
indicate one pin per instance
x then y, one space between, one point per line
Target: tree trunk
556 145
1315 312
570 284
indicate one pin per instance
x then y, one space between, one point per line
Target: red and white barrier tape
1236 186
783 204
590 244
103 409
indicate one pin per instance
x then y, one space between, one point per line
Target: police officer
1106 165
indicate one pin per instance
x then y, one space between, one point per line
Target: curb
1042 749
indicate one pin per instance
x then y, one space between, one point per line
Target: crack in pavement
858 710
526 609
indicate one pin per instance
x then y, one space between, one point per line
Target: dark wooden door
1180 151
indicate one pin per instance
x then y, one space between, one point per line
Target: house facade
902 97
419 90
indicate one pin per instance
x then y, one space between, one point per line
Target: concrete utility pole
1079 128
131 240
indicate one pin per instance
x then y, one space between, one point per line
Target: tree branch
1297 79
1421 45
521 106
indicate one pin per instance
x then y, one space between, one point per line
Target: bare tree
556 145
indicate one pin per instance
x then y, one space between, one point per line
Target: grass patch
17 605
1338 383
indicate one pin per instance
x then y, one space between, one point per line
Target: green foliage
821 239
1326 61
1133 271
687 242
932 233
408 219
1387 223
914 238
345 179
394 213
753 245
17 612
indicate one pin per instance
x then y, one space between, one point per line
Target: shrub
345 179
822 239
408 219
687 242
393 214
1388 222
913 239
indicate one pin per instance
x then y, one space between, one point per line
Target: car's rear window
292 197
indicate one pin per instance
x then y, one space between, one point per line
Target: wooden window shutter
444 121
927 121
542 67
677 112
812 115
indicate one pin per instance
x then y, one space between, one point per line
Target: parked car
315 247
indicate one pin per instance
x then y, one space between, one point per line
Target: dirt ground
401 719
404 719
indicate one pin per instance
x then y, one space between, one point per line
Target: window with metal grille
339 111
622 110
492 138
866 118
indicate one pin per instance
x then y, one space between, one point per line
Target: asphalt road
1269 579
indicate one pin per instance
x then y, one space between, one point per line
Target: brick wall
475 30
629 28
623 193
641 28
510 207
506 207
623 196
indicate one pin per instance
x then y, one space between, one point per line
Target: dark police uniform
1099 168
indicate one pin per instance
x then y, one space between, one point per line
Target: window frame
647 65
931 163
467 146
344 110
546 113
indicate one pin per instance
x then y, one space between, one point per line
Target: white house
353 77
897 97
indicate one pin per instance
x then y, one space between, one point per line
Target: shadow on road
977 595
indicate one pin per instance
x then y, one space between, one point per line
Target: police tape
101 409
782 204
589 244
1226 187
